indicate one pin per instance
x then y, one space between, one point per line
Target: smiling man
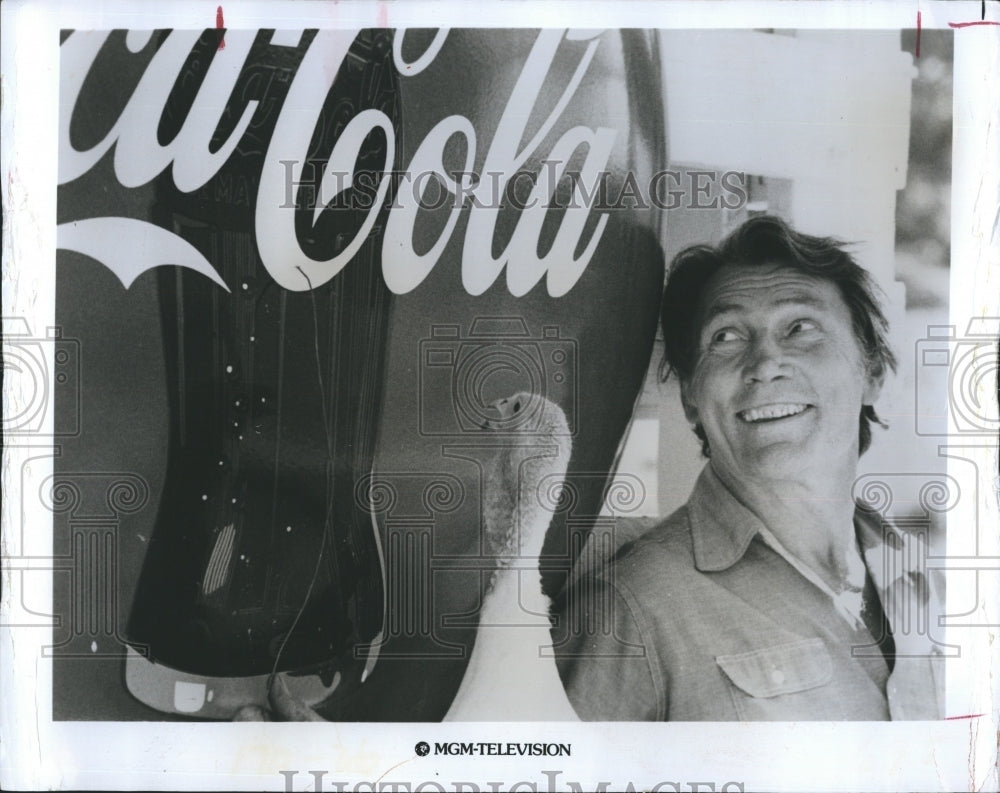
771 595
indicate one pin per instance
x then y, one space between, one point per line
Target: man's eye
725 335
801 326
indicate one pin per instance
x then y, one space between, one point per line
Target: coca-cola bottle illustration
262 558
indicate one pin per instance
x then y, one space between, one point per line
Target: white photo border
37 753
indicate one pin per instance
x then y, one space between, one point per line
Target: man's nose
765 361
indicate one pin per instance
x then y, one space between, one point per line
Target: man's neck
813 521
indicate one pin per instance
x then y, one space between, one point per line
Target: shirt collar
721 527
722 530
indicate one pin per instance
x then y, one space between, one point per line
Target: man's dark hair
768 240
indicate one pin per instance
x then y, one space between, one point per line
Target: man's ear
690 409
874 380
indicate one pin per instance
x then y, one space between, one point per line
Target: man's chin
777 461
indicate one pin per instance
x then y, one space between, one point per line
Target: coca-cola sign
131 246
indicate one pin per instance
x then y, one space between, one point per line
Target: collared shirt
701 619
849 602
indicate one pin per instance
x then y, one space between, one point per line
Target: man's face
779 379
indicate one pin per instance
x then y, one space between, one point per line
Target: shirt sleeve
602 655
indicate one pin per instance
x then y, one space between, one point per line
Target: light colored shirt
701 619
847 601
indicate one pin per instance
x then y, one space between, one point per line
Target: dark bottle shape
261 554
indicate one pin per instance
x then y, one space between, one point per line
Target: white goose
508 677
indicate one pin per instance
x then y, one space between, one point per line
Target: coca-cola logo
130 246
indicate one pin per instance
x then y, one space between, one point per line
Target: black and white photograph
516 400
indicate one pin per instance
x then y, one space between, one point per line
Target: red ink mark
383 15
971 24
918 34
220 24
970 716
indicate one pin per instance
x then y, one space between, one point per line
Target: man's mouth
773 412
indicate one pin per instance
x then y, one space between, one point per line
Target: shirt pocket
779 682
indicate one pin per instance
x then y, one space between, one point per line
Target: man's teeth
771 412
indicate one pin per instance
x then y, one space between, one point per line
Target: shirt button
777 677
